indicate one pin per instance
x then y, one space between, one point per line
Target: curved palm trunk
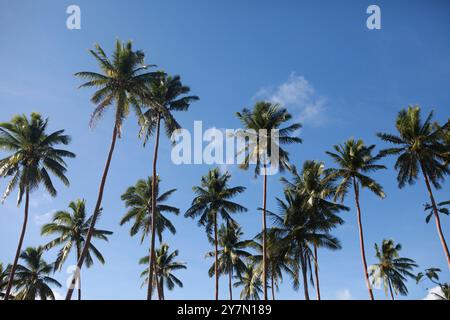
96 211
316 271
216 250
361 239
230 289
19 246
436 217
304 275
264 275
154 179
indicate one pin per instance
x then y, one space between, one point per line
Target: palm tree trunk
316 271
305 278
272 283
230 275
390 290
154 180
264 275
97 209
161 288
361 239
216 250
79 277
19 246
436 216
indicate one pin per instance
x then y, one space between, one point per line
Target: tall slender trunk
230 276
264 236
436 216
304 275
19 246
161 288
216 262
87 243
272 283
316 271
154 180
390 289
79 277
361 239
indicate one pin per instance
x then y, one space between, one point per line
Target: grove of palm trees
104 205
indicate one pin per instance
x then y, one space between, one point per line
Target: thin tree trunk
79 277
154 180
230 275
390 289
19 246
161 288
272 285
216 266
264 234
361 239
305 278
158 283
316 271
96 211
436 216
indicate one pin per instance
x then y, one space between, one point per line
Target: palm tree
298 229
312 183
261 122
433 276
391 269
277 261
165 265
355 160
164 96
122 82
250 280
139 199
32 278
71 229
420 148
4 274
34 158
213 199
232 255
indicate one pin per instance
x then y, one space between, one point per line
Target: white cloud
343 295
433 292
297 94
43 218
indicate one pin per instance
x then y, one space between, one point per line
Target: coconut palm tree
163 97
71 228
312 183
231 255
420 149
298 230
355 160
35 156
165 266
250 281
139 199
263 125
432 274
122 81
213 199
32 277
391 270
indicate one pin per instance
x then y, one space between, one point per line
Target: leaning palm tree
391 269
298 229
312 183
35 157
165 266
139 199
32 278
420 149
213 198
71 229
250 281
355 160
261 123
231 255
162 98
121 82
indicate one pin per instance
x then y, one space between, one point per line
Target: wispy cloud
43 218
434 293
297 94
343 295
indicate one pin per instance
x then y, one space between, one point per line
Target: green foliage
251 283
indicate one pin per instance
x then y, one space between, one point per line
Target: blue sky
337 77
